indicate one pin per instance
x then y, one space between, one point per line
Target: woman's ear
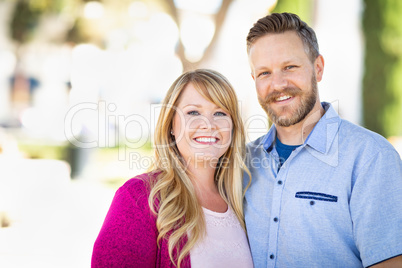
171 128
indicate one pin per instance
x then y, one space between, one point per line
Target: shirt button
276 219
279 182
271 256
312 202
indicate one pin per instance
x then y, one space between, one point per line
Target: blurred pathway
53 225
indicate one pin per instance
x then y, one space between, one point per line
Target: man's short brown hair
280 23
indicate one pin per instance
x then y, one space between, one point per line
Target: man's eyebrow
292 61
286 62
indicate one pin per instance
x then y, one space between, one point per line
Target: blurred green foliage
24 20
303 8
100 158
37 150
42 151
27 13
382 80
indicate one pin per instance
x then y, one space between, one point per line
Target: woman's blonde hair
172 196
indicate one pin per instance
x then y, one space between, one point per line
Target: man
324 192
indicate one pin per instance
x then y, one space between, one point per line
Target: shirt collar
327 127
325 131
268 141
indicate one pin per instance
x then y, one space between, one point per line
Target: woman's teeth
205 139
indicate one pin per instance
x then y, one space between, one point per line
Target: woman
186 212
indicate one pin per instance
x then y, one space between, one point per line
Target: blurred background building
81 82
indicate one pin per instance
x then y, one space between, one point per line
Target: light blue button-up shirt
335 202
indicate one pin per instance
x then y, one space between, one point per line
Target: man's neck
298 133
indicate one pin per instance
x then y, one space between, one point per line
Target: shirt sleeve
376 208
128 235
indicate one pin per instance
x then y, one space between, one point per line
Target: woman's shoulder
140 184
134 193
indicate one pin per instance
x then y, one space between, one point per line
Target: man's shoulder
257 141
358 136
256 144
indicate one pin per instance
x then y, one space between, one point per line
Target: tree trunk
219 19
382 80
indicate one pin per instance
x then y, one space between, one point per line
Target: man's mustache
291 91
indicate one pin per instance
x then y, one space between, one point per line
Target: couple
319 191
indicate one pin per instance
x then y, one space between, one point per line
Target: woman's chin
206 160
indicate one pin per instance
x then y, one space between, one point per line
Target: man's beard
307 100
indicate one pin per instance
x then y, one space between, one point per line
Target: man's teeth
206 139
283 98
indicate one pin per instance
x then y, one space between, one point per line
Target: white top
224 245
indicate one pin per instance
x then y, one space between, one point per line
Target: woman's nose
205 122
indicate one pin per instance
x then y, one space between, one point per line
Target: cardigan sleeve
128 235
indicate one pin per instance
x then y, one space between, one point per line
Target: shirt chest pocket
315 196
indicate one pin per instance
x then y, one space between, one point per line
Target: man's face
285 78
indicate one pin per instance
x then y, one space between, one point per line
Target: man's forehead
287 36
287 46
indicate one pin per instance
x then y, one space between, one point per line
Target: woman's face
202 130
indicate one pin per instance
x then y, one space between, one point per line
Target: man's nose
278 81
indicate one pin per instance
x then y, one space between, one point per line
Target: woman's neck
202 175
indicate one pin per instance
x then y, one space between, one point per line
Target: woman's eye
193 113
220 114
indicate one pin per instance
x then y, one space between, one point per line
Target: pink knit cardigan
128 235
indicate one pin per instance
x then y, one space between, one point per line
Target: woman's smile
206 140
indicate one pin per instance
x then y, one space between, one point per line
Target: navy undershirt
284 151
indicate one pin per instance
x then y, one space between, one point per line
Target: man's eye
263 73
193 113
290 67
220 114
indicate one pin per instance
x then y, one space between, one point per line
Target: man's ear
319 67
252 75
